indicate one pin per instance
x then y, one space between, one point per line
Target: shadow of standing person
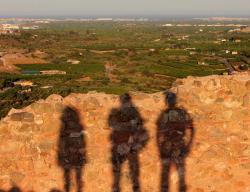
128 138
12 189
15 189
71 147
55 190
174 138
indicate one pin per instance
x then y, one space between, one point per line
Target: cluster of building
203 25
121 19
9 29
15 28
33 27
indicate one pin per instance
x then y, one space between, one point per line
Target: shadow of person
71 147
175 134
12 189
55 190
15 189
128 138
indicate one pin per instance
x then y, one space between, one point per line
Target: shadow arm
190 127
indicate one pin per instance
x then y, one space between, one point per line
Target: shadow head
170 99
125 98
70 113
15 189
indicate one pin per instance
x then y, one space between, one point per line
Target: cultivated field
115 57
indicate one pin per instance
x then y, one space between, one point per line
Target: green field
144 56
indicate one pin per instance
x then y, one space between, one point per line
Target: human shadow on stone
15 189
55 190
128 138
12 189
175 134
71 148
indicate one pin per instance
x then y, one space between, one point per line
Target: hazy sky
124 7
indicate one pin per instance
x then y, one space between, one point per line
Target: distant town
14 25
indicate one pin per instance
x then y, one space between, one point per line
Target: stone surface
246 100
218 160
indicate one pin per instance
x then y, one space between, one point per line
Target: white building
30 27
167 25
104 19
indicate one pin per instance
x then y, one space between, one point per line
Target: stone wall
218 159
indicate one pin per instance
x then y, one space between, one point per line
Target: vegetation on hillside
116 57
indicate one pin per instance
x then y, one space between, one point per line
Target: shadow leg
134 172
165 175
181 173
66 179
79 179
116 173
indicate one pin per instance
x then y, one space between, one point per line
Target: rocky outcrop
218 159
7 68
20 58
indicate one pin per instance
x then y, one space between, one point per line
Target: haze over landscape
121 7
